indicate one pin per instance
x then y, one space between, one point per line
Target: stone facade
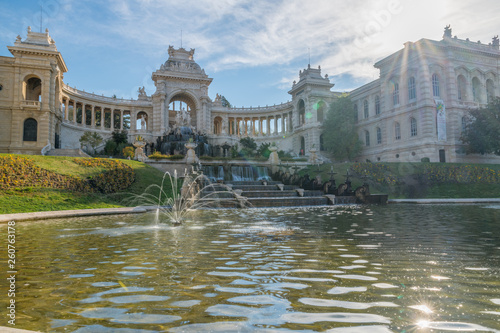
40 112
398 114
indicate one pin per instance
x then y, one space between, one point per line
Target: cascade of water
262 173
220 173
236 173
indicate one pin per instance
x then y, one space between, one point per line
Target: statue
447 31
495 42
143 122
142 92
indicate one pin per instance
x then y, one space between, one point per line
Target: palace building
415 110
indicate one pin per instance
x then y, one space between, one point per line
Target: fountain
196 192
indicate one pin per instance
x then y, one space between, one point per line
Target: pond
396 268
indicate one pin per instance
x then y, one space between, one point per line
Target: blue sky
253 49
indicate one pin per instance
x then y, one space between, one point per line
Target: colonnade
96 116
259 126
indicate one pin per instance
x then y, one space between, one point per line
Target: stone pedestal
273 157
313 158
191 154
139 151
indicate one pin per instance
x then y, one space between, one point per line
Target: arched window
413 127
490 90
395 94
217 125
365 108
379 135
397 131
412 90
435 86
367 138
320 111
142 121
302 112
33 89
461 86
30 130
476 90
302 146
377 104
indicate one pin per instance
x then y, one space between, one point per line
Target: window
30 130
365 108
33 89
379 135
413 127
412 91
367 138
490 90
302 112
461 88
476 90
320 112
435 86
377 104
395 94
397 131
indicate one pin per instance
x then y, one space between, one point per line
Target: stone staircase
67 152
276 194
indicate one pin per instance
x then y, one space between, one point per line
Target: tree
248 146
225 102
339 129
120 137
91 139
482 130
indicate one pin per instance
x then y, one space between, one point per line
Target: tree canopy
91 139
482 130
339 130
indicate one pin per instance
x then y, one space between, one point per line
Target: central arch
182 101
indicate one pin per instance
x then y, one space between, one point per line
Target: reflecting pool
396 268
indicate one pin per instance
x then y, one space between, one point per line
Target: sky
253 49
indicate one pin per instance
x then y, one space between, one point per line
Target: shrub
128 152
110 147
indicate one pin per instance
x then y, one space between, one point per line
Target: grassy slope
45 199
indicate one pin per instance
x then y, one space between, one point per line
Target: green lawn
33 199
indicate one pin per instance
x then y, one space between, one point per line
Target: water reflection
334 269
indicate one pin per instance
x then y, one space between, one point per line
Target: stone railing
264 109
105 99
31 104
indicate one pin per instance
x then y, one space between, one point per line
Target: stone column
121 120
163 118
66 109
283 129
92 123
102 117
83 114
74 111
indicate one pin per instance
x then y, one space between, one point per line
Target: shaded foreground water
396 268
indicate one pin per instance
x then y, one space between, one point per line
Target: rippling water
397 268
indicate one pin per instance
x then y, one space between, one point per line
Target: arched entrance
182 111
